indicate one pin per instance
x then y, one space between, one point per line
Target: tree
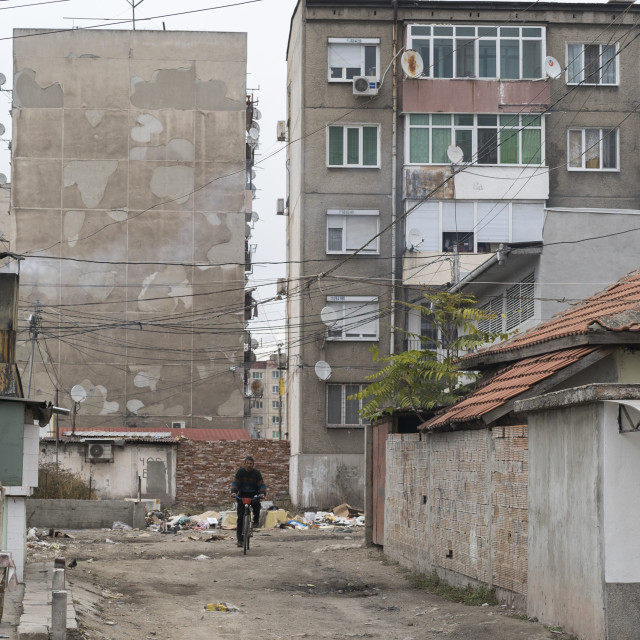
420 380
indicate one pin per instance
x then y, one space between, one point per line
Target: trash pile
163 522
342 516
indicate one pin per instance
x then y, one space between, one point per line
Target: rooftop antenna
133 4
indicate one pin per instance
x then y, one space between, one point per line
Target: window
352 57
275 374
275 434
341 411
479 51
593 149
349 229
256 404
510 309
275 420
257 375
275 388
357 318
258 420
275 404
352 146
506 139
592 64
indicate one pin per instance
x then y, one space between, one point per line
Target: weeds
58 483
469 595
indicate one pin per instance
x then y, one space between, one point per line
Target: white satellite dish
415 238
3 79
254 216
3 179
329 316
455 154
552 67
412 63
323 370
254 133
247 230
257 114
255 125
78 393
254 343
2 129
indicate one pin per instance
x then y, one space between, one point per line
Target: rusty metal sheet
420 182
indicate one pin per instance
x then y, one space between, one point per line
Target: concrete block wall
205 470
457 503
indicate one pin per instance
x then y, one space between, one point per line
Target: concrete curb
35 621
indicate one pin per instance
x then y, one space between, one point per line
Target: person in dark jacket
248 483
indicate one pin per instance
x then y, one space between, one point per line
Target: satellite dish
257 114
247 230
254 133
2 129
323 370
412 64
256 388
552 67
3 79
254 343
415 238
3 179
455 154
329 316
254 216
255 125
78 393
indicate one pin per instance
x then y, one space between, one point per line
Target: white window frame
496 34
504 122
343 403
259 420
579 78
584 150
339 218
359 164
275 374
355 42
350 318
275 420
275 404
256 404
275 389
257 375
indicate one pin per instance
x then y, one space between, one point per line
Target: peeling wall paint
28 93
177 149
148 125
175 182
91 177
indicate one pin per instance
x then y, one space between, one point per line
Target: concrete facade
542 201
117 476
129 197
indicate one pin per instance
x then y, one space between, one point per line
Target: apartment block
266 390
487 147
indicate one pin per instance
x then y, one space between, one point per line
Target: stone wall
205 470
457 503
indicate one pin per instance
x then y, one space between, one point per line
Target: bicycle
247 521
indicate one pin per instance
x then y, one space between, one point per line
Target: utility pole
281 395
33 332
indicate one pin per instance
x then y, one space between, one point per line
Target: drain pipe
394 164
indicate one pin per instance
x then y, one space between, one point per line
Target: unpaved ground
292 584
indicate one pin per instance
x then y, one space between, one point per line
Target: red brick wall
205 470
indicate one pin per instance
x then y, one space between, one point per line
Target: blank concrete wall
83 514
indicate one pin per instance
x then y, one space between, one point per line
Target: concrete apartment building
488 172
130 199
267 393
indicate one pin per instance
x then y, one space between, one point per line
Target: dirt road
292 584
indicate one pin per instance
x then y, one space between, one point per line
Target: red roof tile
617 308
505 385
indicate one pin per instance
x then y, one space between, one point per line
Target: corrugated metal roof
617 308
505 385
160 434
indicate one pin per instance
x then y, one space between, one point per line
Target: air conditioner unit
178 425
99 452
280 209
365 86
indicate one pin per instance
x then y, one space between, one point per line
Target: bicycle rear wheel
246 530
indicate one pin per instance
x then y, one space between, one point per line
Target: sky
266 23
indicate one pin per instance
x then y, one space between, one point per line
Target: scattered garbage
109 541
220 606
121 525
202 557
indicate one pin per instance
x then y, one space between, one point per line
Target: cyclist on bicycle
248 483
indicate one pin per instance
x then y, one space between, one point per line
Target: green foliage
472 596
58 483
420 380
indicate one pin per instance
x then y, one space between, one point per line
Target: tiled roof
507 384
617 308
160 434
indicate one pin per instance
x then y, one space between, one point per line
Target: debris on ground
220 606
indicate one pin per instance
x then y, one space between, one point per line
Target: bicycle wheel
246 530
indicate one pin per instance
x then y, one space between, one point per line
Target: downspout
394 164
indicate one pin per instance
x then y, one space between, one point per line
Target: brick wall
205 470
457 502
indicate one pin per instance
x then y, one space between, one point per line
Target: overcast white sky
267 24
